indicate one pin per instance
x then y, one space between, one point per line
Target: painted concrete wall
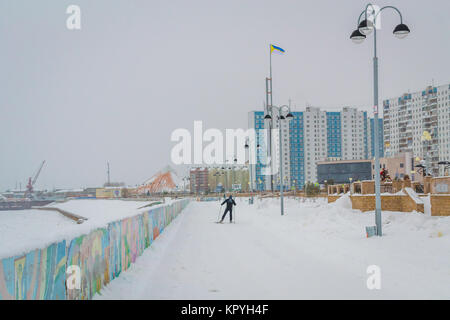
100 255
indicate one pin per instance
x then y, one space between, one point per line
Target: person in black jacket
230 202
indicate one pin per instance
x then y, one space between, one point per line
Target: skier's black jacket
230 202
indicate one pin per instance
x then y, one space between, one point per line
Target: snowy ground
316 250
24 230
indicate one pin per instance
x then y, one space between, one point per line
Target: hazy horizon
137 70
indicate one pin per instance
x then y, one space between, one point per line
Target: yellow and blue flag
276 49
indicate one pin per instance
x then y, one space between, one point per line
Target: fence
100 256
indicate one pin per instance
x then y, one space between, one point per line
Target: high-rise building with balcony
407 117
313 135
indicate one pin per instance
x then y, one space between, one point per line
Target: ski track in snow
316 250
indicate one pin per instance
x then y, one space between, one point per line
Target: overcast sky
116 89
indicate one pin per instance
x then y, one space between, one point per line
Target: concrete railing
81 267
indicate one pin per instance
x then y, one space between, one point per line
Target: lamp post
426 138
216 174
234 168
295 187
279 118
247 146
364 28
225 173
350 179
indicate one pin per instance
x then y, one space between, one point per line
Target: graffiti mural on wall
39 274
91 253
100 255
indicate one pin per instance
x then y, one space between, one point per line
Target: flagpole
270 124
270 62
270 73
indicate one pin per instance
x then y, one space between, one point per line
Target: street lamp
446 165
233 171
364 28
357 37
247 146
216 174
280 117
426 138
350 179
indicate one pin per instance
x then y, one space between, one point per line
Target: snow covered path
315 251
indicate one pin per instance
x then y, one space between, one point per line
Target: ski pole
234 220
220 210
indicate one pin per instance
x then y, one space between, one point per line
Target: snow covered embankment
315 250
98 256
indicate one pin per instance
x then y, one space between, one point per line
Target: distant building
312 136
407 117
342 171
401 165
229 177
114 184
109 192
199 180
397 167
73 193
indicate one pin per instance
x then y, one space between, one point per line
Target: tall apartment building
311 136
408 116
354 134
315 141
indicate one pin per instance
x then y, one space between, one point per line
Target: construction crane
32 181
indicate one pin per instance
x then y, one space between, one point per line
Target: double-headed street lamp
426 138
364 28
247 146
217 174
280 117
225 173
250 171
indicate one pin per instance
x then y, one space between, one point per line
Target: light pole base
378 222
371 231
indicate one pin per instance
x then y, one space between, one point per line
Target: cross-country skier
230 202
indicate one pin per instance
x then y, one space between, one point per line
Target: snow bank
343 202
315 251
25 230
413 195
101 255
